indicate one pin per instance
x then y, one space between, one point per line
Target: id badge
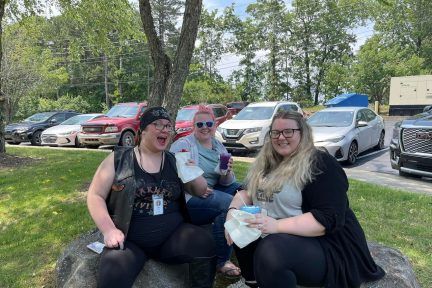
157 204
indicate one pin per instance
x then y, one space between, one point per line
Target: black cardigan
349 262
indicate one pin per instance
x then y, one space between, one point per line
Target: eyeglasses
208 124
161 127
287 133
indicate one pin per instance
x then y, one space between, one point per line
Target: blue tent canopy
348 99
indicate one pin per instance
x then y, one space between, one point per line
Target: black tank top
146 229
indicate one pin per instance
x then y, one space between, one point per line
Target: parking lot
372 166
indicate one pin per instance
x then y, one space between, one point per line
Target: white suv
250 127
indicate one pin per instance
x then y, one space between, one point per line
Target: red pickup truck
118 127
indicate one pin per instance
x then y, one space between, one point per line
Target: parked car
411 145
347 131
65 134
184 125
249 129
31 128
236 107
119 126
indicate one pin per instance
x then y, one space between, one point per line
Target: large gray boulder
77 268
399 272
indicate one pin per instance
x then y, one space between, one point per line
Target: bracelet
232 208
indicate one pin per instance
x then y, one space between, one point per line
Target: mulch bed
10 161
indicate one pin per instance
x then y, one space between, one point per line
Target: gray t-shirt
283 204
208 160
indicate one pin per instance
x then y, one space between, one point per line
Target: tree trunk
107 98
2 96
169 76
120 83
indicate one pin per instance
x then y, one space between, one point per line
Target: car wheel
352 153
380 144
13 143
127 139
78 143
405 174
36 138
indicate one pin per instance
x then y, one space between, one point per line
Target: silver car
347 131
65 134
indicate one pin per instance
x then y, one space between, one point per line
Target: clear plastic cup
224 160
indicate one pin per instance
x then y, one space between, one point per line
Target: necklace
161 164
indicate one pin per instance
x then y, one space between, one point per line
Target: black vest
122 195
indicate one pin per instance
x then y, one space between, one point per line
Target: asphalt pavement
378 173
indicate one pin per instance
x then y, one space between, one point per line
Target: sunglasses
208 124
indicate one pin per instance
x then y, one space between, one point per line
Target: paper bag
185 172
238 230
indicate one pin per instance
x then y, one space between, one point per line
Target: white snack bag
185 172
96 247
238 230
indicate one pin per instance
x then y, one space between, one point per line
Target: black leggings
283 260
119 268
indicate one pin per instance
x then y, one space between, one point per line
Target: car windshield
77 120
235 105
255 113
125 111
331 119
185 114
39 117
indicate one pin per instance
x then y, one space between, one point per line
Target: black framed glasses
287 133
208 124
161 127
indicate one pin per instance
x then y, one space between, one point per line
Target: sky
230 62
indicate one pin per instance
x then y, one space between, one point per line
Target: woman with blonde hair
313 237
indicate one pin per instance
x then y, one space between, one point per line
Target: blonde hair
271 171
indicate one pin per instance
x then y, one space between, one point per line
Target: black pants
283 260
119 268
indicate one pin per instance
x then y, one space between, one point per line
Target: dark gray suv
411 145
30 129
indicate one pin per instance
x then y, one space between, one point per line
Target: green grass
42 209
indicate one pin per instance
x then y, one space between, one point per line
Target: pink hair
203 110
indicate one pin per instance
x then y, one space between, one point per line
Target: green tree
377 63
406 24
272 24
248 79
210 41
16 9
320 37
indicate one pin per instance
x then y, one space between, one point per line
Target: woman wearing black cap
137 201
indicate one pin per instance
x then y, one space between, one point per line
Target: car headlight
252 130
111 129
335 140
182 130
21 130
66 133
220 130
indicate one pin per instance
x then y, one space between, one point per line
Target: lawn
42 209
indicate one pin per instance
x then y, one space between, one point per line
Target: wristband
232 208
